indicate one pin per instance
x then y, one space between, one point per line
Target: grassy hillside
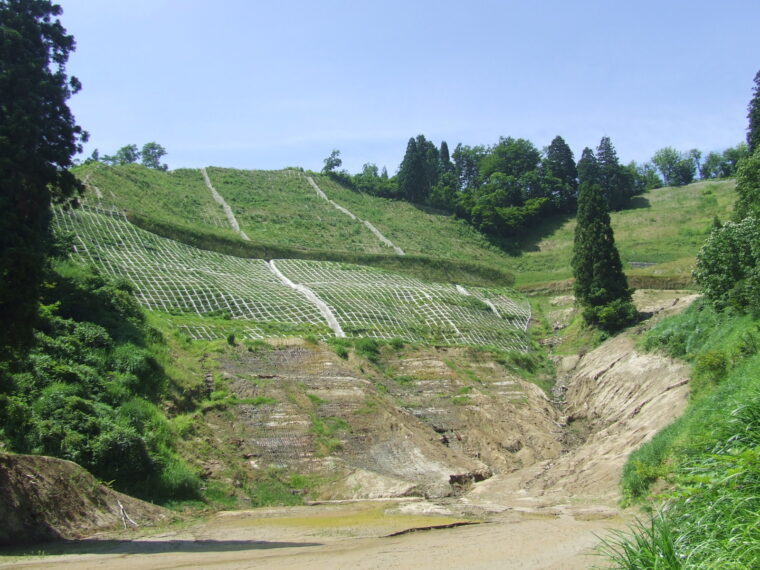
418 230
179 197
665 228
704 465
280 207
658 238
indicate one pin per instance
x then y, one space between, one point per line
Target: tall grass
709 459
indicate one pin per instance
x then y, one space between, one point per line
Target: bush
611 317
728 266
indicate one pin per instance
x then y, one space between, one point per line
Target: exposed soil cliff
43 498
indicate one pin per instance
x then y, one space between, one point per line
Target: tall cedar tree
559 164
753 114
419 170
616 184
588 168
38 138
600 284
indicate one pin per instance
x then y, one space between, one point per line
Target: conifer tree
588 168
601 287
559 164
419 171
614 179
753 114
38 138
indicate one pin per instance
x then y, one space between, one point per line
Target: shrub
611 317
728 266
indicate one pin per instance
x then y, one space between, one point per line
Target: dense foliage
601 287
728 265
87 390
150 156
38 138
753 114
709 455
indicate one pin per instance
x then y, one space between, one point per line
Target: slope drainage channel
369 226
225 206
311 296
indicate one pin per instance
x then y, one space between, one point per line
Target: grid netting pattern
367 302
172 276
373 303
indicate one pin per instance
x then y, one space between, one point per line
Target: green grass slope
706 465
417 230
663 231
179 198
658 237
281 207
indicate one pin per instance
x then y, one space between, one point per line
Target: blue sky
253 84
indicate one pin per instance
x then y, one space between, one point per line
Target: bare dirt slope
43 498
545 511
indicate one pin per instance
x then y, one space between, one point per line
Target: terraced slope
286 298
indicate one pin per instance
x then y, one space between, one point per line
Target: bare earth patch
546 512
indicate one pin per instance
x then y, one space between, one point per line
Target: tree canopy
601 287
38 139
753 114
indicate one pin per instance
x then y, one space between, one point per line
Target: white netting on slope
172 276
374 303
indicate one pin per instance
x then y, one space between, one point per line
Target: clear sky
255 84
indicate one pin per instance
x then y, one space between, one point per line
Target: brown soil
42 498
549 474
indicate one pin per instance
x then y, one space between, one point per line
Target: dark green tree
588 168
748 187
559 165
601 287
445 159
615 180
467 165
753 114
419 170
151 155
38 139
645 177
677 168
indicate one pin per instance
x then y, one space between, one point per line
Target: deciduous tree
151 155
332 162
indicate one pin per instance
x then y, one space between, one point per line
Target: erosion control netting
173 276
374 303
365 302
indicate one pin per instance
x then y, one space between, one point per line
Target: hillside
285 217
325 375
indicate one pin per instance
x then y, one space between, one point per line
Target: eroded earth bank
452 440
